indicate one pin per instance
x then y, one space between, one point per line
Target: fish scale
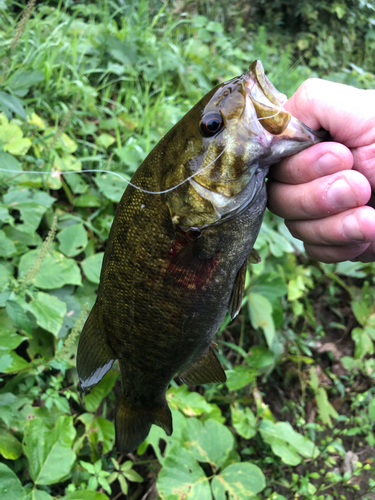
175 262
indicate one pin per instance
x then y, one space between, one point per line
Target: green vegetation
95 85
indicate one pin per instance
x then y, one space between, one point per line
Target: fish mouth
286 134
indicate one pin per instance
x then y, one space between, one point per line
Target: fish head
232 137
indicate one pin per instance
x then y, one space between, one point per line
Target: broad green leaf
55 272
191 404
88 200
73 240
48 310
76 183
18 315
363 343
14 362
31 204
209 441
86 495
22 240
352 269
239 377
8 162
37 495
10 485
49 451
100 391
7 247
260 310
286 443
13 104
104 140
238 481
10 340
326 410
182 477
92 267
244 421
103 431
66 162
111 186
23 79
10 447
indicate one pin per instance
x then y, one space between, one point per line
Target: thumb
345 111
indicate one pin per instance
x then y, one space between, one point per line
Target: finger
368 255
319 198
317 161
333 254
364 161
352 227
346 112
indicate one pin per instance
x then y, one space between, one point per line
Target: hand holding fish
324 192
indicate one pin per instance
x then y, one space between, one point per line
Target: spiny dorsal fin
238 290
94 356
206 369
254 257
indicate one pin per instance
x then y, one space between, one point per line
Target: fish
176 257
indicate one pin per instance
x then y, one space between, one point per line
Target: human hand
322 192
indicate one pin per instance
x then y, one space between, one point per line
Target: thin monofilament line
67 172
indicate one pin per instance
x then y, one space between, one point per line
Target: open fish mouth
268 103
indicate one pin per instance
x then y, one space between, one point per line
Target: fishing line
56 173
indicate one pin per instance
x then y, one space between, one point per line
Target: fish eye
211 124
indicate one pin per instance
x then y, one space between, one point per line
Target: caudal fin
133 423
94 356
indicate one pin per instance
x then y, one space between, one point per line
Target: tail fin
133 423
94 356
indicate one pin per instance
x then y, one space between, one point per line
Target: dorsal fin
204 370
94 356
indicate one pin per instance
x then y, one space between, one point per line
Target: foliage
94 86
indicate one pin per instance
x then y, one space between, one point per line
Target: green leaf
13 104
23 79
260 310
73 240
49 451
104 432
239 377
238 481
286 443
209 441
92 267
182 477
18 315
48 310
32 494
191 404
7 247
88 200
10 340
8 162
10 485
32 204
244 421
86 495
111 186
363 343
10 447
55 272
100 391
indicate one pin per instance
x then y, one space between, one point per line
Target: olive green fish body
175 261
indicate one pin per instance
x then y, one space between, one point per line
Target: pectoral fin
205 370
239 285
94 356
238 290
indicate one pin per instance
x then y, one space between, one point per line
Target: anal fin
205 370
94 356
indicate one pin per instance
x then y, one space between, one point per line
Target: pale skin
324 193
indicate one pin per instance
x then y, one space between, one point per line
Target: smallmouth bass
176 261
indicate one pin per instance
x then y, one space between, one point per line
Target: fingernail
328 163
350 228
340 195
